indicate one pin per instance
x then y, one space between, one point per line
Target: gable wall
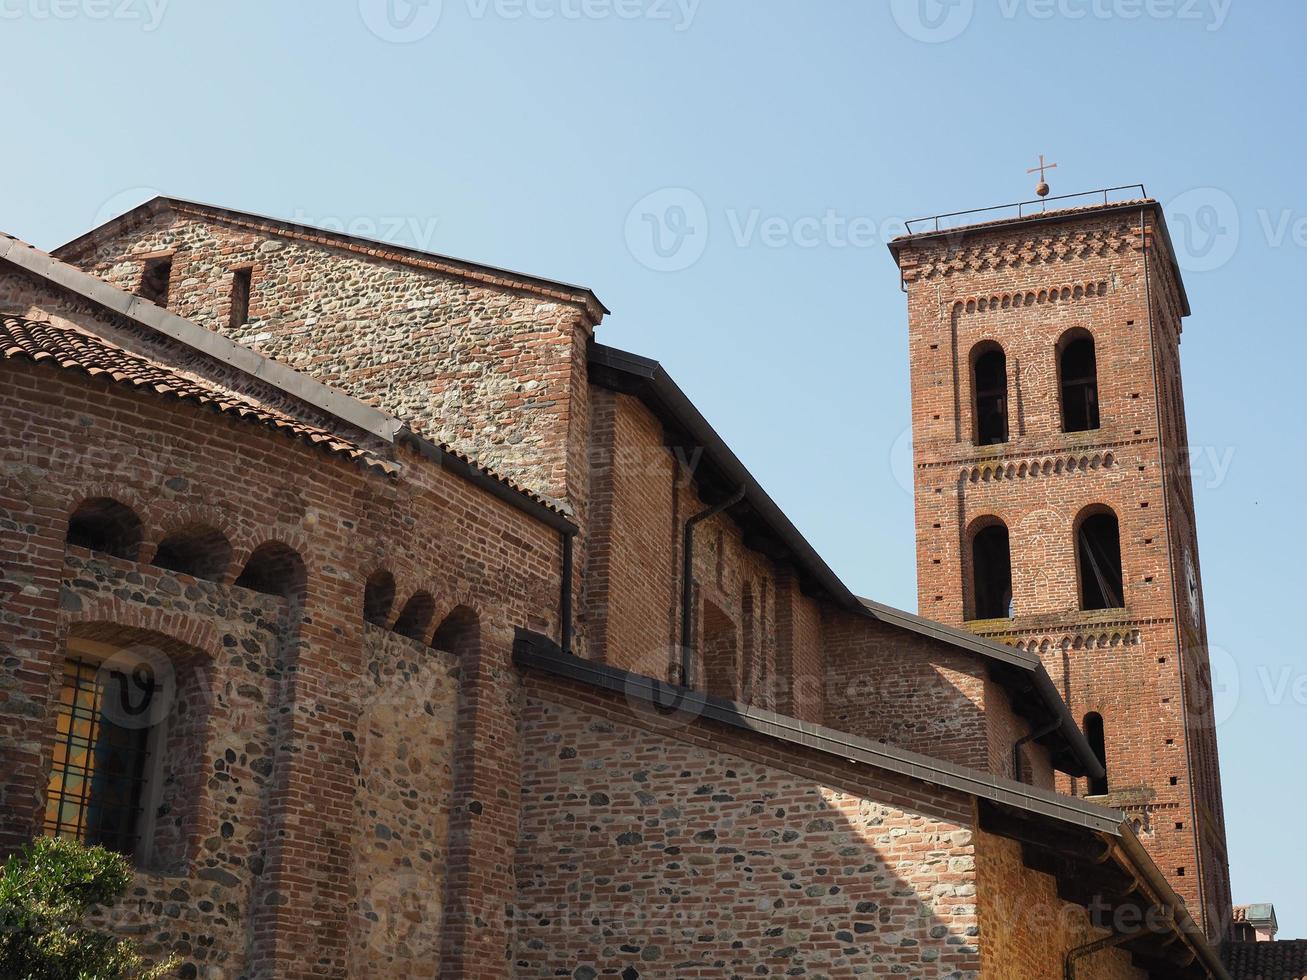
488 370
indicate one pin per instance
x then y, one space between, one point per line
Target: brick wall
1026 929
921 695
698 851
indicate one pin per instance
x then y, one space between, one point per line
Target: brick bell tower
1054 504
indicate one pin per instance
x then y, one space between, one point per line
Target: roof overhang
720 475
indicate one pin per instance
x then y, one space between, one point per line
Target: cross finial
1042 188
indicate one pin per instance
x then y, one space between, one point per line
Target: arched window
274 569
103 524
415 618
989 382
196 549
1097 742
379 597
1077 368
1098 544
991 572
130 724
459 634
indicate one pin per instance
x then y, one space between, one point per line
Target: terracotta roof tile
73 348
1266 961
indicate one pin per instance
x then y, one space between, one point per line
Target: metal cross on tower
1042 188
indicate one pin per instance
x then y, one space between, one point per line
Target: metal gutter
536 652
1194 936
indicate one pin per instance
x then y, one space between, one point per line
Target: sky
725 174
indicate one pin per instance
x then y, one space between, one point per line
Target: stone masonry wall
224 646
402 809
697 851
488 369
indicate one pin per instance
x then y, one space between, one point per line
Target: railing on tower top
1020 208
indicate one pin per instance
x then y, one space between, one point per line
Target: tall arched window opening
989 382
1078 373
1098 543
1097 741
991 572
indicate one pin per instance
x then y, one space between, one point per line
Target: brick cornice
993 253
1038 461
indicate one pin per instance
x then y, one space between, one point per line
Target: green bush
46 891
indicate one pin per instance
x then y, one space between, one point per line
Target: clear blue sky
525 132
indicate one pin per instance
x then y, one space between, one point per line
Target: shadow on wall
675 859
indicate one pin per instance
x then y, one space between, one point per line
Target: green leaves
46 892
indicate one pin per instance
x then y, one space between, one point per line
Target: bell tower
1054 505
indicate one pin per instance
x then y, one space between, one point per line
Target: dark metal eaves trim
540 653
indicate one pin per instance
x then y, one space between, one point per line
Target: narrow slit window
156 278
991 562
242 282
1078 368
1098 743
989 380
1099 546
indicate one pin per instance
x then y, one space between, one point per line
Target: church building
393 625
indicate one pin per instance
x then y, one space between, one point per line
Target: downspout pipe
1088 949
687 582
566 626
1020 743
